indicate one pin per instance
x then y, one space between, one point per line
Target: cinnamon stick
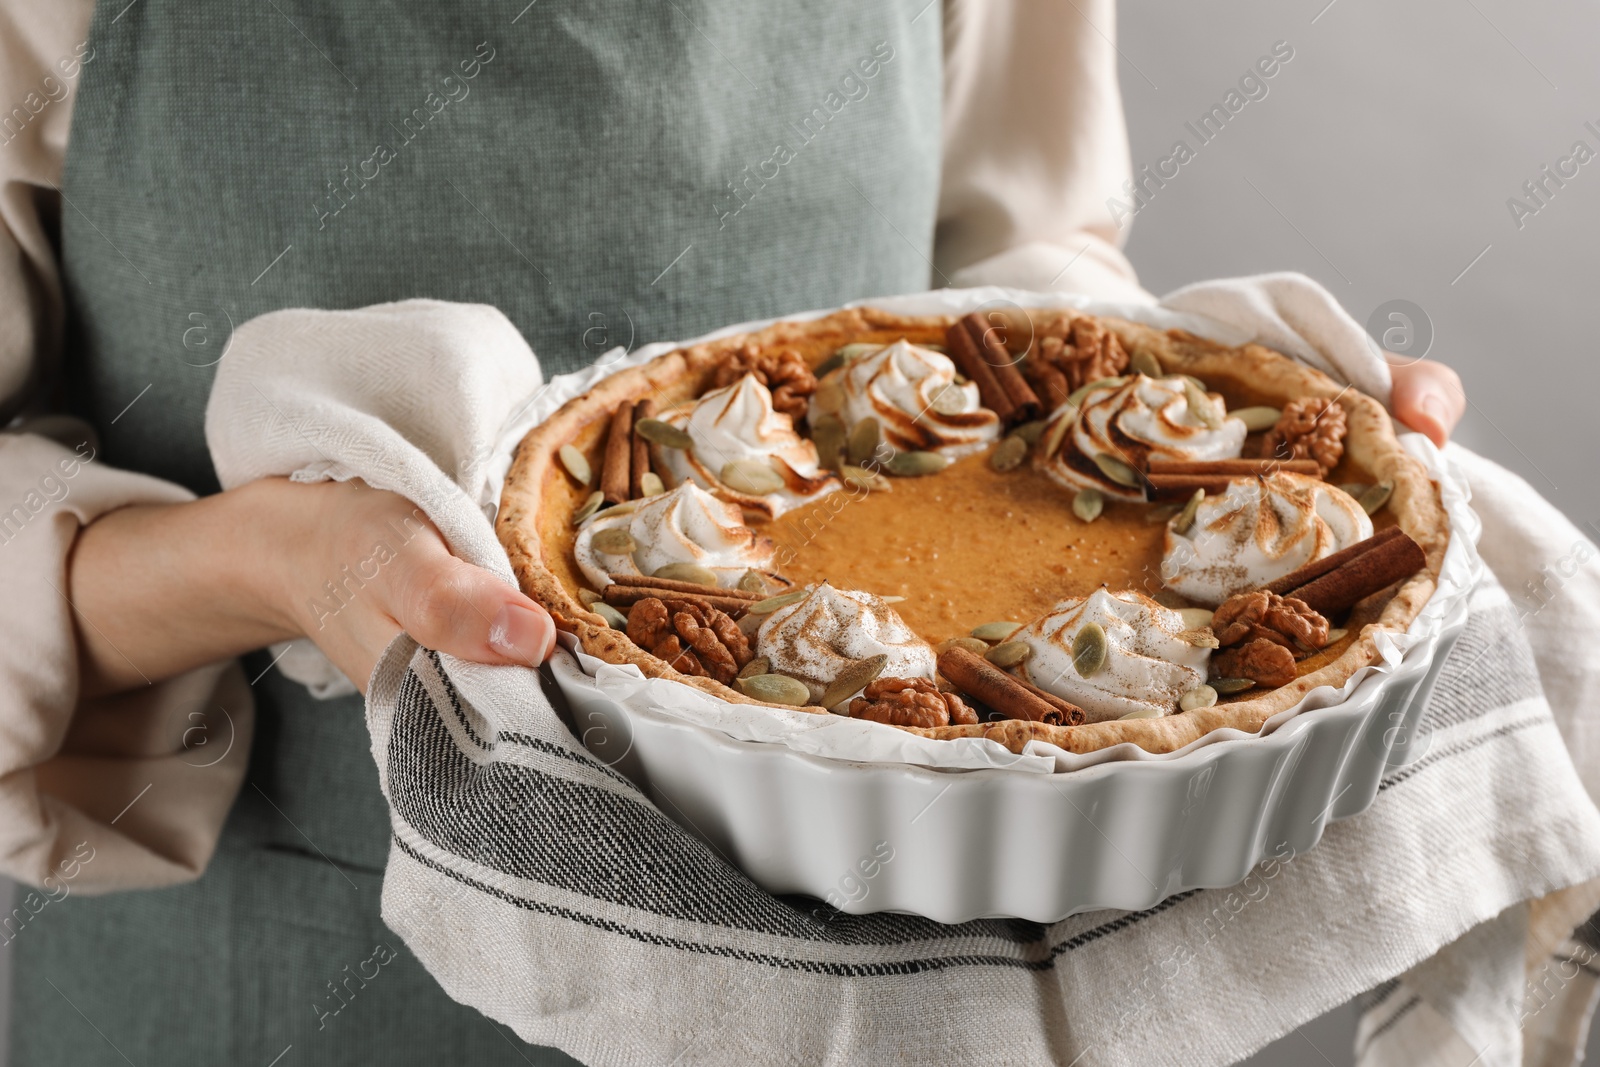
1023 399
994 687
1176 486
1317 568
968 358
614 479
1072 715
640 465
674 585
622 596
1234 467
1377 568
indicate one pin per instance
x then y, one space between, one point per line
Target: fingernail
1433 406
519 633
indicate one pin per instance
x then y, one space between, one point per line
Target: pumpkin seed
589 596
892 599
971 644
1201 696
754 476
1088 387
614 541
1116 470
1160 513
1031 431
1229 686
1201 638
589 507
1058 431
853 679
915 464
1009 653
1142 362
1257 419
1355 489
1142 713
748 625
1009 456
687 572
614 618
650 484
862 478
774 689
1196 618
950 400
1089 650
1088 504
852 352
828 397
996 631
663 433
1185 518
863 440
1373 500
1336 635
829 365
759 665
782 600
827 433
752 581
576 465
1201 405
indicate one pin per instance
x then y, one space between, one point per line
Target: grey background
1381 160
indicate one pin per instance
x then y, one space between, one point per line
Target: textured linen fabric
508 879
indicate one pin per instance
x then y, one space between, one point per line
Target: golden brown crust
539 498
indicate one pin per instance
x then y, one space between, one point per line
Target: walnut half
690 638
910 702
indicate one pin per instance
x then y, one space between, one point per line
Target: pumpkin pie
1041 525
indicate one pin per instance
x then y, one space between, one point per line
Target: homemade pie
1022 525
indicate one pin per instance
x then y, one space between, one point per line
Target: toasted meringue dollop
913 394
737 422
1147 666
817 638
1258 531
686 525
1141 419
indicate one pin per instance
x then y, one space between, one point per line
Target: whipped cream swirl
1260 530
686 525
1147 666
913 394
1141 419
816 639
738 423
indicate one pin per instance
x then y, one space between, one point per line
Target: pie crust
539 500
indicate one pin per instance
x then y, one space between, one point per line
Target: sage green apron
605 173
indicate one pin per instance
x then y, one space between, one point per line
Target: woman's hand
159 590
1427 397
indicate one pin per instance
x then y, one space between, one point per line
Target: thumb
1428 397
449 605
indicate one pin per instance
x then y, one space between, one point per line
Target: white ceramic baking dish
1120 828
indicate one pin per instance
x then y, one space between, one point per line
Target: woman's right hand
162 589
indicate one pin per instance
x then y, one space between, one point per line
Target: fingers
1428 397
451 606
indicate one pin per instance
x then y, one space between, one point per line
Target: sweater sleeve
1034 144
120 792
